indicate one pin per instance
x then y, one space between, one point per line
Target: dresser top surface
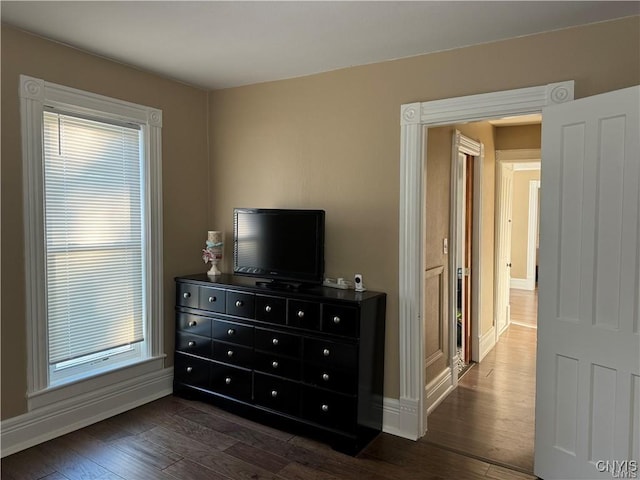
249 284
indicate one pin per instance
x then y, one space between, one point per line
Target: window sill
94 384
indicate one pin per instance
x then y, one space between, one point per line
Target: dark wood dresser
309 361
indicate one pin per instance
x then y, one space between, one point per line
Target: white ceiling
214 44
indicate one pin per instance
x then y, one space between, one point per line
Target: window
93 233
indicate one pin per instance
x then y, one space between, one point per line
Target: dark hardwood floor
491 415
173 438
480 429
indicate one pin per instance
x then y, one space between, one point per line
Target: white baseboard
46 423
391 416
25 431
400 418
487 342
438 389
523 283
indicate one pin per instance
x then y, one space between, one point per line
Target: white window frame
35 94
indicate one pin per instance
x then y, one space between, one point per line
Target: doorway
466 161
565 438
517 234
407 418
471 281
464 273
490 414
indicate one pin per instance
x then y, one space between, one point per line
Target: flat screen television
283 246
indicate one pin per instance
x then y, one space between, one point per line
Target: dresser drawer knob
336 319
274 393
189 369
212 299
192 343
267 309
325 407
274 364
325 377
227 380
300 313
193 323
326 352
275 341
231 331
239 303
229 353
186 294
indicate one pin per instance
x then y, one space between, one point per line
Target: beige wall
184 168
518 137
520 225
332 140
328 141
437 201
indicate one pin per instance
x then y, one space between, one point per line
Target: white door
503 256
588 360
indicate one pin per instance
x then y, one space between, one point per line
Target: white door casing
461 147
413 118
588 360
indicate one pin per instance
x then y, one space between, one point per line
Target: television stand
310 362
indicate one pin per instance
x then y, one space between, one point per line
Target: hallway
490 416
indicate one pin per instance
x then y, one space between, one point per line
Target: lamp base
213 271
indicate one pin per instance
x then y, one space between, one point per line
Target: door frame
414 117
461 144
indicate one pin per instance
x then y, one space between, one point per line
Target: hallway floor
524 307
490 416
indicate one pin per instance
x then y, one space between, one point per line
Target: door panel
588 360
503 280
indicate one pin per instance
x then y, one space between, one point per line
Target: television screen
281 245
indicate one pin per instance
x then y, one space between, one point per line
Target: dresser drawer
212 299
328 353
330 377
233 354
192 371
340 320
231 382
194 324
277 365
193 344
328 409
187 295
276 393
233 333
271 309
240 304
303 314
277 342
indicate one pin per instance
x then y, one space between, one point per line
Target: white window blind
94 235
